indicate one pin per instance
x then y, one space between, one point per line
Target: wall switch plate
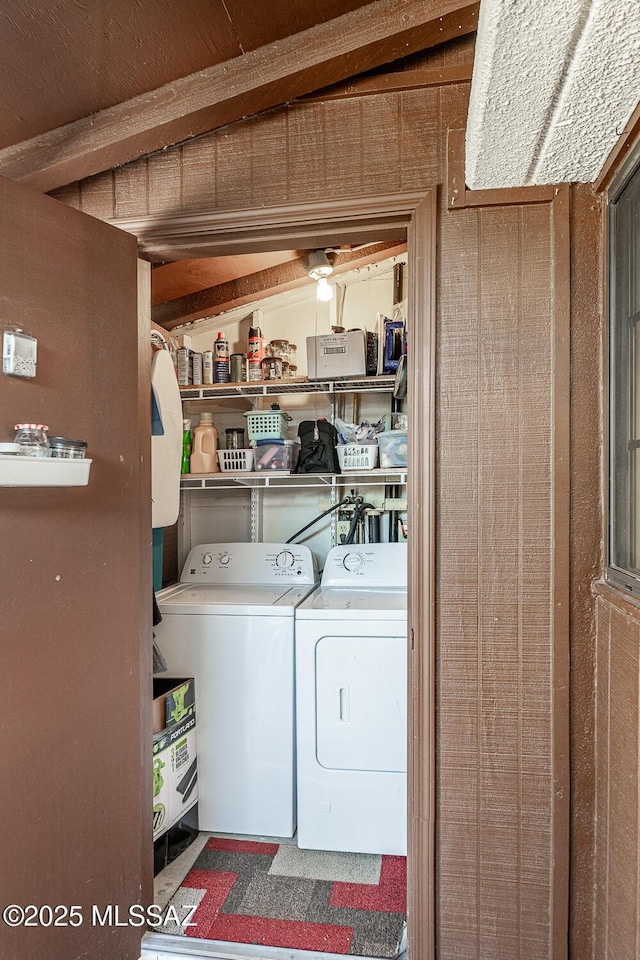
19 354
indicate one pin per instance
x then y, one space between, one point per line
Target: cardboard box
174 699
337 355
175 762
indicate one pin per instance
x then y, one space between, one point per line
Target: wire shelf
277 388
261 479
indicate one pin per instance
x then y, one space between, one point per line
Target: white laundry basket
357 456
235 460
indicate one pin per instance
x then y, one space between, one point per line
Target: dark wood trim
422 636
459 197
561 512
144 527
316 224
621 150
378 33
395 82
263 283
415 214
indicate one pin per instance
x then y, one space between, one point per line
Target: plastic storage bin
276 454
357 456
267 424
235 460
393 448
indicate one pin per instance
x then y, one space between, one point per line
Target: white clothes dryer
351 703
229 623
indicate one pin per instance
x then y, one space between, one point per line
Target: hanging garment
166 448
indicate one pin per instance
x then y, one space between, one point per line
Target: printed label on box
175 774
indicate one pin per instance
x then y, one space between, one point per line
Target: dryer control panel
368 565
250 563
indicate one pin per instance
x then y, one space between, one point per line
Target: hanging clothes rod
159 340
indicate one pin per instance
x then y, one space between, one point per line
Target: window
623 564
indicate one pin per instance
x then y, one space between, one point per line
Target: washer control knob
206 559
224 559
352 561
285 559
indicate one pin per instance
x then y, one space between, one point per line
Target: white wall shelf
227 480
43 472
277 388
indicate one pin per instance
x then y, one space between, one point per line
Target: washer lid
232 599
342 603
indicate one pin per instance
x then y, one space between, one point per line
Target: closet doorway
362 220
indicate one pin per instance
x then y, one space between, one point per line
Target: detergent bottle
204 451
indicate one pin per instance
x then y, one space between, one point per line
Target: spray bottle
186 446
255 353
221 359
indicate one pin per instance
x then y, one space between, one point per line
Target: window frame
616 575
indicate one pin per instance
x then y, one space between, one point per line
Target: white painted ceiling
554 82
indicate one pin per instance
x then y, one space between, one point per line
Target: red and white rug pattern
270 894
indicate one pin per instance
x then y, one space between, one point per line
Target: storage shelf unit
277 388
260 479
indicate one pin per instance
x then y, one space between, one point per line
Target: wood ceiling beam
263 283
379 33
395 82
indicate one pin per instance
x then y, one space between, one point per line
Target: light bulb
325 292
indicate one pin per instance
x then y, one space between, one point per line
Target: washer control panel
368 565
250 563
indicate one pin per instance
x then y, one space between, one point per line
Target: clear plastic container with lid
63 448
32 439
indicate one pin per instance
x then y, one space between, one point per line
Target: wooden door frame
316 224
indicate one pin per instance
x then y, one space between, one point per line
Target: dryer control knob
206 559
352 561
224 559
285 559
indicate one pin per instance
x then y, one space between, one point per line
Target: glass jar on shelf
65 449
293 355
32 439
279 348
272 368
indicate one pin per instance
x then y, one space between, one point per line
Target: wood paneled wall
495 477
617 915
75 642
586 546
495 585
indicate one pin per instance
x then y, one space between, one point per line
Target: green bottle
186 447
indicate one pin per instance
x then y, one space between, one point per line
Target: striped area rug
277 895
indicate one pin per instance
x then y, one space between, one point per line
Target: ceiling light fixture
320 269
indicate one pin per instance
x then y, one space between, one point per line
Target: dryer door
361 703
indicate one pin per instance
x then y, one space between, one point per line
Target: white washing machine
351 703
229 623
